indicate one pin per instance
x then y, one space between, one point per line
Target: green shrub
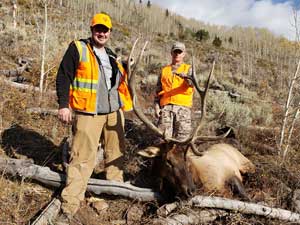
202 35
221 106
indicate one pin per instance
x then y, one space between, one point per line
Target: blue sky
275 15
296 2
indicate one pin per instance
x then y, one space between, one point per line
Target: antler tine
203 95
130 57
132 89
139 57
203 99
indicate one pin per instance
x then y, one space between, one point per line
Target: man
174 97
92 83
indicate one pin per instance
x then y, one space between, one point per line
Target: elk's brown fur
220 165
214 168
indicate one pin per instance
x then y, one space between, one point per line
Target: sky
275 15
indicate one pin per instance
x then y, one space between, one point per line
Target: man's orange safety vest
83 91
175 90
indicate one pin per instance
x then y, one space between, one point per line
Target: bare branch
49 213
27 169
244 207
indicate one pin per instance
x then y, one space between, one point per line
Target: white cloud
277 17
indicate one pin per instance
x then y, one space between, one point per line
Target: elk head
170 166
172 152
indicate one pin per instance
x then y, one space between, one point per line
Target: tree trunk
44 48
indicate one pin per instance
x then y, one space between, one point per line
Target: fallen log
23 65
256 128
263 149
25 87
49 213
191 217
20 86
244 207
43 111
26 169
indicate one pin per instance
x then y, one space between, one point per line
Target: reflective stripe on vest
175 90
85 84
83 90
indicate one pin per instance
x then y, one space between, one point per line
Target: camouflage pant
176 121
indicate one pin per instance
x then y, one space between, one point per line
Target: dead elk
180 162
218 169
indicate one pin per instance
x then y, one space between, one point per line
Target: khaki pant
87 132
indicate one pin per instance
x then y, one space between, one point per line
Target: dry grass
20 201
240 67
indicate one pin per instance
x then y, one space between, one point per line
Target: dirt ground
39 137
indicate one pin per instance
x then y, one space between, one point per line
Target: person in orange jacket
92 84
174 95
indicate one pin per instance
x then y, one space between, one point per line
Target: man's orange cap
102 19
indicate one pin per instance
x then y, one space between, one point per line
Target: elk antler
203 110
132 83
202 95
192 137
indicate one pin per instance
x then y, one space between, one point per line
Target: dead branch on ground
25 87
26 169
244 207
23 65
43 111
49 213
191 217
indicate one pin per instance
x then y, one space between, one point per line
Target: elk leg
237 187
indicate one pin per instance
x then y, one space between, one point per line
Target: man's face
100 35
177 56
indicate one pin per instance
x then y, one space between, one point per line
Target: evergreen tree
202 35
217 42
149 4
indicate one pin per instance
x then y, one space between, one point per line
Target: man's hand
186 77
65 115
157 110
182 75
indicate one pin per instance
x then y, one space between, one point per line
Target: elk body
218 169
179 161
220 166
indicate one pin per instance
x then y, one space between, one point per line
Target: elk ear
150 152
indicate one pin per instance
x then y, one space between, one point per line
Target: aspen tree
14 2
289 109
43 54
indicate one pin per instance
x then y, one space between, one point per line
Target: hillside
249 91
